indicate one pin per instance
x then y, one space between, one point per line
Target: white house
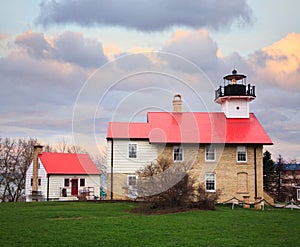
61 176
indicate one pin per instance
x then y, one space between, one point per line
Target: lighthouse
235 95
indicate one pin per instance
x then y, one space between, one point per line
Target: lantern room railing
235 90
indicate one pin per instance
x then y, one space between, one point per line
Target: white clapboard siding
122 163
42 174
56 182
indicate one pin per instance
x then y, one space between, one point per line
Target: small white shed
61 176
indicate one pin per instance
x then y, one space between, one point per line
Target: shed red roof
66 163
192 127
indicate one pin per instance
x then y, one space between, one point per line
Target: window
132 151
210 153
67 182
39 182
82 182
298 194
241 154
131 180
177 153
210 182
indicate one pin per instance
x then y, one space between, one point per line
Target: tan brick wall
120 189
226 169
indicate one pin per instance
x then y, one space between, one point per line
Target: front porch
68 194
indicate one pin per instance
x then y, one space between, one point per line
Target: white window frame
128 180
136 150
241 149
298 194
207 178
180 148
210 149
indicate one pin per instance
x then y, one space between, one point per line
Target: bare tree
62 146
166 184
15 158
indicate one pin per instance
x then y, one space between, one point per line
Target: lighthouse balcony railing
235 90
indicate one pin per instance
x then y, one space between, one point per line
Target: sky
68 67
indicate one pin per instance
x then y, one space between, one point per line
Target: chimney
38 148
177 103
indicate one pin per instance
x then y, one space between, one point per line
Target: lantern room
234 96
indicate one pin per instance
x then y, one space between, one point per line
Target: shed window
132 150
39 182
67 182
82 182
177 153
241 154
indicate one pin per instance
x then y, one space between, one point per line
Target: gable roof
192 127
67 163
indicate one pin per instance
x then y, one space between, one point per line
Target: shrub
165 185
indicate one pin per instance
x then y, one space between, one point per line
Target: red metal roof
66 163
192 127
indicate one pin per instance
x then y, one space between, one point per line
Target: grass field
110 224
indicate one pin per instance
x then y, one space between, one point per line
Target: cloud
74 48
279 64
39 82
34 43
155 15
196 46
67 47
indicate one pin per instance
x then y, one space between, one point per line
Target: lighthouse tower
234 96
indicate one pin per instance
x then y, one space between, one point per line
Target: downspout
255 172
48 183
111 168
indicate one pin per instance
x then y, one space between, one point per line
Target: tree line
275 174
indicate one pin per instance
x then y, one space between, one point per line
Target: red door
74 188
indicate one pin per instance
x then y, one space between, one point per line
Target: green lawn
110 224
